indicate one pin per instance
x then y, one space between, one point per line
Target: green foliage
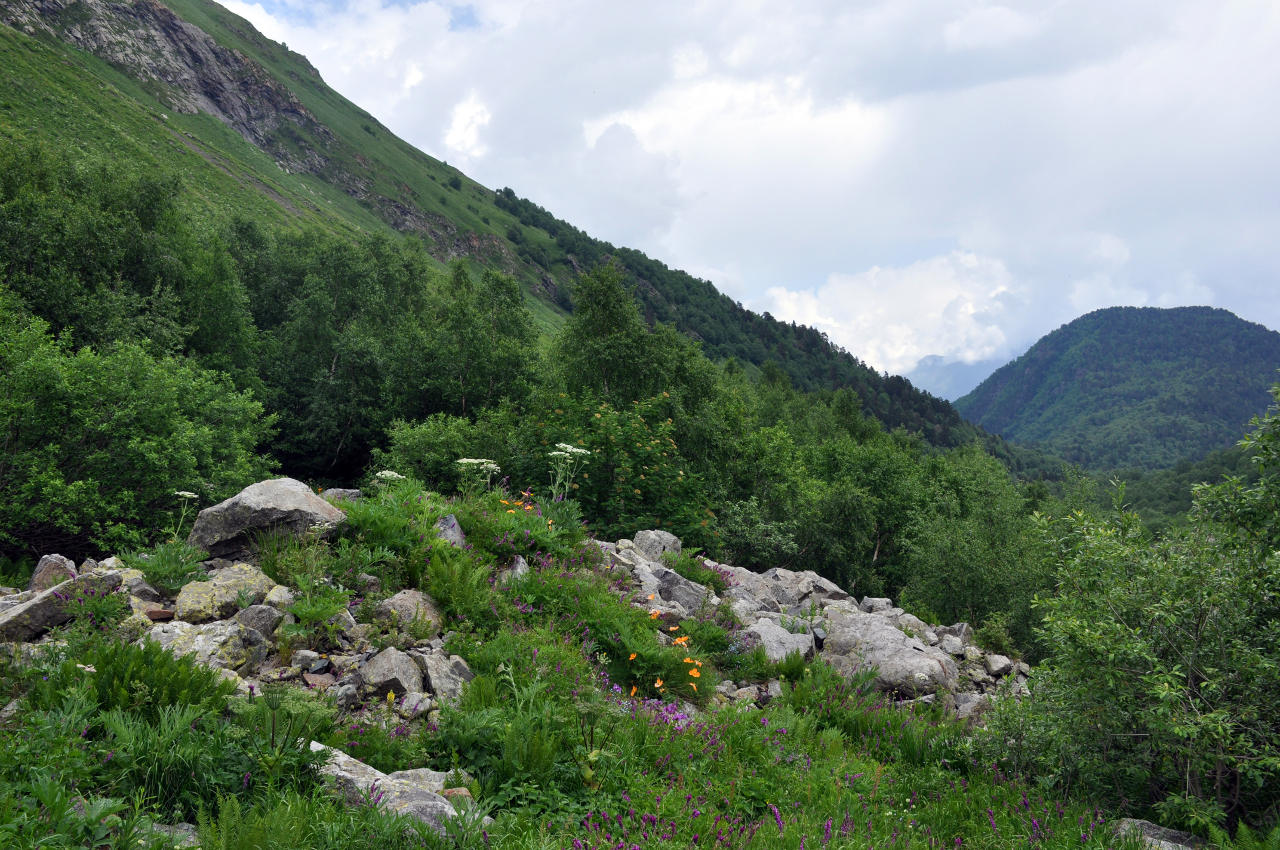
55 817
144 679
315 608
95 442
168 566
1161 663
690 564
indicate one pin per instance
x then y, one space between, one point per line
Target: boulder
391 670
998 665
653 544
279 597
778 643
408 607
135 584
798 592
905 666
677 590
224 644
951 645
341 494
1156 837
360 785
51 570
446 675
37 614
228 528
413 705
875 604
448 530
222 594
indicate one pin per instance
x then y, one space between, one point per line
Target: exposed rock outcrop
227 529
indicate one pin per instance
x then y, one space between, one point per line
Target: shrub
95 442
168 566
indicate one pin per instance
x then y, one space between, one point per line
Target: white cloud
988 27
470 117
893 317
1105 152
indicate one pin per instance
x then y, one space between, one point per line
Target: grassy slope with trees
1130 387
156 337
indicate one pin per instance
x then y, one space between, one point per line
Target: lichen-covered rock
222 595
279 597
224 644
282 504
51 570
33 617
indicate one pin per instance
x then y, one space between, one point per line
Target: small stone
263 618
279 597
319 680
159 615
448 530
304 658
998 665
345 697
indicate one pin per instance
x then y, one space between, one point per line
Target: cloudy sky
946 178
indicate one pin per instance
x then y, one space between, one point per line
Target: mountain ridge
1138 387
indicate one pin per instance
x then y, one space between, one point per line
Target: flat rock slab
227 529
360 784
225 644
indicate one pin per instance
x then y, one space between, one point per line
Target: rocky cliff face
185 67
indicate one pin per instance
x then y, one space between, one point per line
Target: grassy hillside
1131 387
358 177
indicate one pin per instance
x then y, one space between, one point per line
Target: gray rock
1024 668
875 604
971 707
973 653
519 569
34 616
408 607
261 618
446 675
305 659
951 645
798 592
652 544
13 600
391 670
998 665
345 696
51 570
220 597
181 834
904 665
422 777
360 784
413 705
224 644
1156 837
227 529
778 643
448 530
958 630
340 494
135 584
675 589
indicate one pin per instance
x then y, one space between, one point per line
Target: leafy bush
168 566
95 442
689 563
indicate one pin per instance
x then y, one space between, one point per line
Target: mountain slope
1133 387
192 89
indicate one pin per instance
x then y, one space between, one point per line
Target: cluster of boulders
230 620
786 611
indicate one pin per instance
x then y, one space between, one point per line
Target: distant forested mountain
1133 387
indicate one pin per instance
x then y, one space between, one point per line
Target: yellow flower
650 596
633 657
633 690
695 672
511 510
694 685
653 615
658 683
688 660
672 628
681 641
